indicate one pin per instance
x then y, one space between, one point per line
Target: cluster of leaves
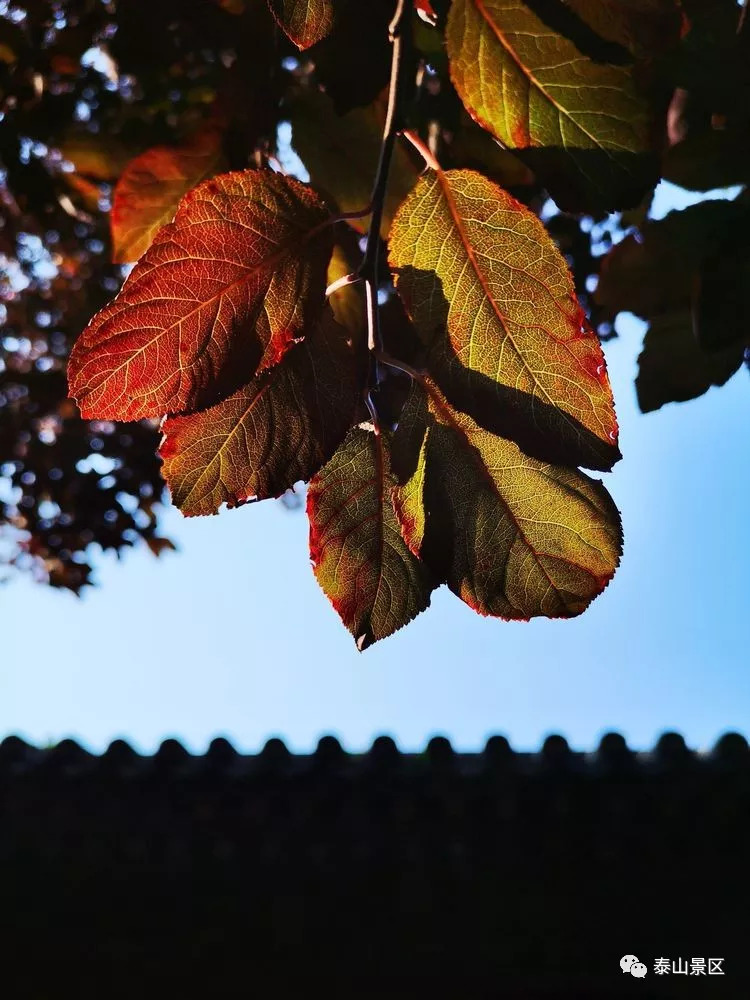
440 406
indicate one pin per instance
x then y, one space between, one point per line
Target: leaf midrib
449 420
528 73
248 273
466 243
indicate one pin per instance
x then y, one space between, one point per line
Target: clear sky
232 636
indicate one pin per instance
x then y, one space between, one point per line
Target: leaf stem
423 150
342 282
400 34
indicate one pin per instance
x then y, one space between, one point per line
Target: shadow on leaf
540 429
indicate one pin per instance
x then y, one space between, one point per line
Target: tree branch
400 35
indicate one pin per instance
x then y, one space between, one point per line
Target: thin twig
359 214
400 366
400 34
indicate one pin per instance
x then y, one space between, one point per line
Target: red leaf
275 431
149 190
221 294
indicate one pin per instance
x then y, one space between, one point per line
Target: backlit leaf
304 21
341 154
221 293
275 431
553 86
361 561
492 297
513 537
102 158
151 186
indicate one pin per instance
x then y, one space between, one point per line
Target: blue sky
232 636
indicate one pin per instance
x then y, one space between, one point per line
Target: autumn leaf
341 154
304 21
150 188
493 299
275 431
98 157
360 559
513 537
534 86
222 292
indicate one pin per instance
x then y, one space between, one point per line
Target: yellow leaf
533 86
493 300
513 537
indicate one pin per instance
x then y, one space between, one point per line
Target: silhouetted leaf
721 295
708 159
150 188
221 293
654 271
512 537
687 274
673 367
493 299
644 27
273 432
361 561
353 61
